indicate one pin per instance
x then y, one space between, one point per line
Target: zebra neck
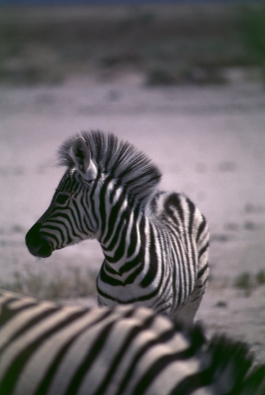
122 246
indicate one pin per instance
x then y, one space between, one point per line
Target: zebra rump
48 349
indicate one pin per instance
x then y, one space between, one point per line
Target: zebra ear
82 157
81 154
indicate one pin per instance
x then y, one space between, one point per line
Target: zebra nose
36 243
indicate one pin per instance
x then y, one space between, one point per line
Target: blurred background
184 82
169 42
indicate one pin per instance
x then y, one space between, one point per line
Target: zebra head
104 177
65 222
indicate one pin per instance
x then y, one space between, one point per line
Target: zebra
155 243
49 349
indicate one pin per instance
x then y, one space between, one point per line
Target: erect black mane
120 159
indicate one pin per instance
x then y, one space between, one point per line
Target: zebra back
50 349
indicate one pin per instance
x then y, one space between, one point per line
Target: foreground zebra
155 243
46 349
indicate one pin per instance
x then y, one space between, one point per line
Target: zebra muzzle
37 243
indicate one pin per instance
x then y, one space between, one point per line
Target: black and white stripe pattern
47 349
155 243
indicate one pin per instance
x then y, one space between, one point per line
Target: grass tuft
248 281
260 277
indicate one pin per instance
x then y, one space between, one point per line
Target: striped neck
121 239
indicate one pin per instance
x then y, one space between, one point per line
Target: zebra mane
119 159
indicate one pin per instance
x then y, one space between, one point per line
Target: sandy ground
209 143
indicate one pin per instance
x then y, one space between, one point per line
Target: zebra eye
62 198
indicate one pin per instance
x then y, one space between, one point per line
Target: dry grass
69 283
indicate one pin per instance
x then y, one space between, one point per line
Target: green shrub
244 282
260 277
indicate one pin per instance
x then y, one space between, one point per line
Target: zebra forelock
118 159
